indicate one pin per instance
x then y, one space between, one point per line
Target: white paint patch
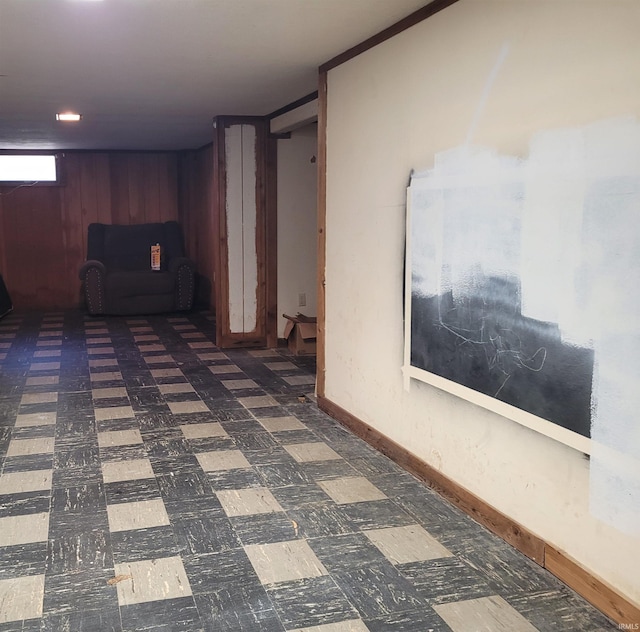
249 249
502 56
565 222
609 279
551 229
233 158
240 152
469 221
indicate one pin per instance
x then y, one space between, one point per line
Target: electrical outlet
302 299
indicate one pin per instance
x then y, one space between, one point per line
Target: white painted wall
491 73
297 223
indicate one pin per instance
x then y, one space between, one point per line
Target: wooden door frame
265 333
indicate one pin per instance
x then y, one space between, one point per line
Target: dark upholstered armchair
117 275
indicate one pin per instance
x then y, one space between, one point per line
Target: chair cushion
121 284
129 247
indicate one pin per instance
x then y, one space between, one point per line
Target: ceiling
151 74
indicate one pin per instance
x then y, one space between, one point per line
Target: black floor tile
326 470
132 491
21 560
378 589
86 589
74 551
310 602
166 615
143 544
445 580
559 611
283 475
204 534
241 605
175 464
411 621
235 479
75 522
80 620
296 496
346 552
504 569
321 519
17 626
76 457
376 514
24 503
186 485
265 528
207 571
123 452
86 498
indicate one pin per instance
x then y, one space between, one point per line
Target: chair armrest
92 274
178 262
185 271
91 263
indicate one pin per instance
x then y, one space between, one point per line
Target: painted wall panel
249 217
297 223
196 217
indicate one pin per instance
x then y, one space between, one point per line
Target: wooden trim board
219 237
265 227
593 589
293 105
271 240
414 18
322 226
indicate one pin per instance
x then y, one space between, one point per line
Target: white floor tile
352 489
24 529
137 515
401 545
248 502
221 460
29 481
113 438
492 614
200 431
128 470
152 580
284 561
308 452
21 598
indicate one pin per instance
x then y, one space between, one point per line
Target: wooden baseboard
593 589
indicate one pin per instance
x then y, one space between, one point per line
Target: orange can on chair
155 257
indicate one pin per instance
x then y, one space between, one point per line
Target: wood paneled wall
43 229
196 217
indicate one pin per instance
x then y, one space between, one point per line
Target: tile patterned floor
150 481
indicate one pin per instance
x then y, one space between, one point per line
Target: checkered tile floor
151 481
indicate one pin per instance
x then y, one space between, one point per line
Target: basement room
319 315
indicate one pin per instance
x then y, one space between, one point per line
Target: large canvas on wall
523 276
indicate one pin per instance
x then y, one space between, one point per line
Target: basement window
28 169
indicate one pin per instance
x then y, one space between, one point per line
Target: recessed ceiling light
68 116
